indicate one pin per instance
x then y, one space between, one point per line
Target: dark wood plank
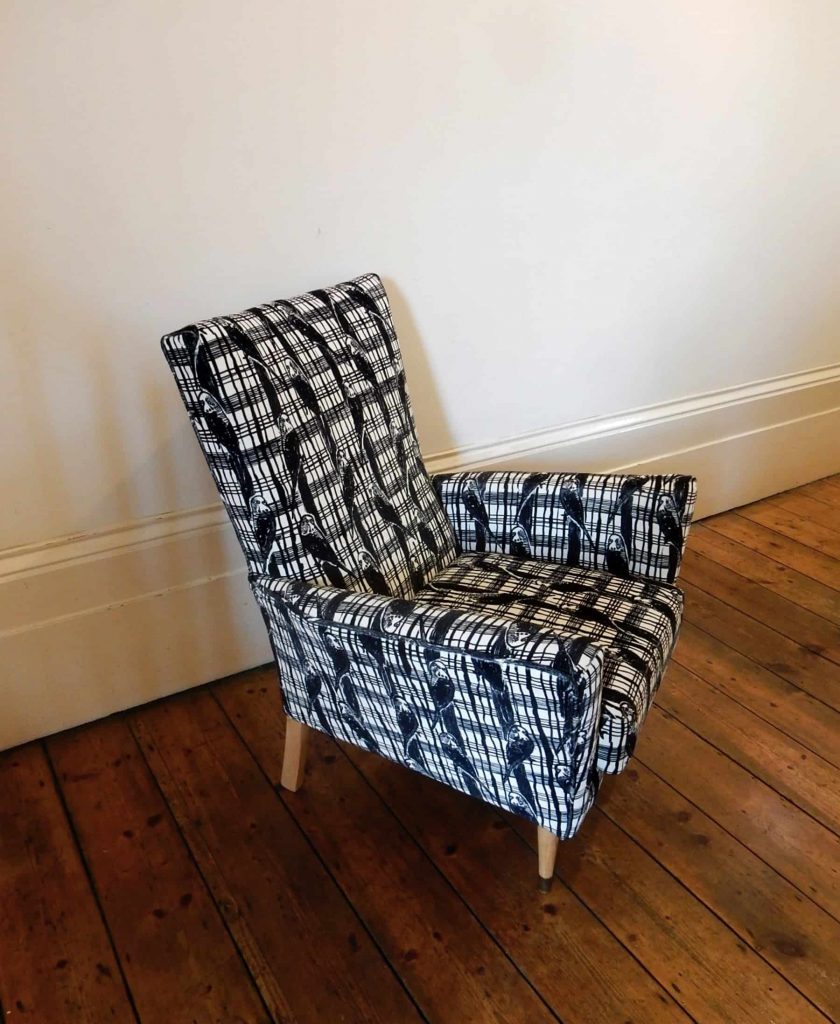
806 853
798 938
451 965
794 526
760 538
779 578
790 709
763 645
280 902
712 972
577 965
176 954
791 769
810 631
56 960
770 514
826 490
811 509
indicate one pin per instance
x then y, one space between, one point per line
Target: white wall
579 208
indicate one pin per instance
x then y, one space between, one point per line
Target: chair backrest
302 412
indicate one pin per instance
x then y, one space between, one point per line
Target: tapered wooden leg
294 754
547 849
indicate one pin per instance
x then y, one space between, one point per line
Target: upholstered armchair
503 633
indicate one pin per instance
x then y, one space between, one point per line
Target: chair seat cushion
635 622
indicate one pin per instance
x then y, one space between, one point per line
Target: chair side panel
178 349
504 732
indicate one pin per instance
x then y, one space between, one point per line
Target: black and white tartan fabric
503 633
624 524
634 622
302 412
472 699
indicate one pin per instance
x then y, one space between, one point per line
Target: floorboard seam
89 875
781 533
782 796
764 586
274 788
191 855
748 942
756 853
784 679
790 540
774 725
485 927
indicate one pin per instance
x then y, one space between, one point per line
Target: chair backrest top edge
208 326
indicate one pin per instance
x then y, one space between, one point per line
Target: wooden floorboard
763 645
56 958
302 937
775 829
704 963
811 509
792 770
826 490
179 960
785 521
805 560
151 869
813 632
776 577
799 939
409 907
793 711
582 968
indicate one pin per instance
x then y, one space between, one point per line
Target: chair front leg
294 754
547 853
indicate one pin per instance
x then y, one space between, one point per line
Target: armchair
503 633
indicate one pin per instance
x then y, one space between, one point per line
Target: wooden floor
152 871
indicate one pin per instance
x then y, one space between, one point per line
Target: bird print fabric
503 633
634 622
505 713
301 409
630 526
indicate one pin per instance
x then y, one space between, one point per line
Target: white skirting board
95 624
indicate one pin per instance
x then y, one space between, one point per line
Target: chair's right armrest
629 525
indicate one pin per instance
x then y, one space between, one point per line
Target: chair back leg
547 852
294 754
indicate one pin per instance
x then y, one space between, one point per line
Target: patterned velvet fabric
630 526
634 623
475 700
504 635
302 412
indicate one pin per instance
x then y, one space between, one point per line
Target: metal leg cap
545 885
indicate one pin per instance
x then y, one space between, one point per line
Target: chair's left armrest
480 701
438 629
629 525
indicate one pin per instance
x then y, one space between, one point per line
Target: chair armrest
479 701
631 526
493 637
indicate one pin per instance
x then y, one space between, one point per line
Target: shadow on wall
86 631
118 446
423 393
